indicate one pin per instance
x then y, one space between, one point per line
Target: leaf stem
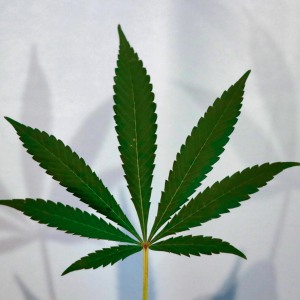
145 270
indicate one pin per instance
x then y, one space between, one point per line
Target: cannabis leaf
71 171
194 245
135 119
68 219
222 196
200 152
103 258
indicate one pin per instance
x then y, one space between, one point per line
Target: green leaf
135 118
224 195
66 218
201 150
103 257
195 245
71 171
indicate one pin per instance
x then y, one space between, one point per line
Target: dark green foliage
200 151
68 219
195 245
222 196
71 171
103 257
135 119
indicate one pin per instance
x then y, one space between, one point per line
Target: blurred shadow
9 224
91 136
277 87
94 128
195 15
28 295
229 287
3 191
10 244
228 290
259 282
36 112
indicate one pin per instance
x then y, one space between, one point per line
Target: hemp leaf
135 119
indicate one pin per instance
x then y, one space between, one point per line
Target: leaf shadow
259 282
277 88
228 290
14 217
36 112
83 143
28 295
193 17
276 85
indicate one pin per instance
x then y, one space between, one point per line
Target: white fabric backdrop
56 73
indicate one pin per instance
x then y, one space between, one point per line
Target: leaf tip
9 120
14 123
242 255
121 34
66 271
246 75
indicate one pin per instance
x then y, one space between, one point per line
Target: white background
56 73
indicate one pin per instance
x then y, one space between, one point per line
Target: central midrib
137 156
74 221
